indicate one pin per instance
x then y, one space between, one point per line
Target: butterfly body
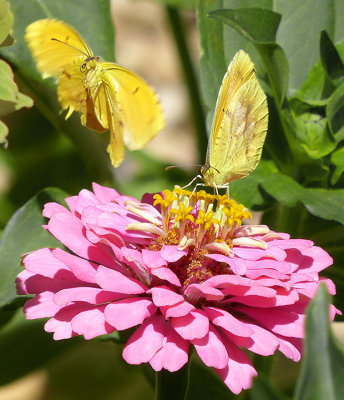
108 96
239 126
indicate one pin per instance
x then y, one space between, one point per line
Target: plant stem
172 385
197 111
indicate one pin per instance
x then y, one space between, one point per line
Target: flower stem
172 385
190 79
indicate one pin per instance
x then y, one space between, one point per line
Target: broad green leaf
259 26
337 159
335 113
22 234
299 32
212 62
247 190
323 364
324 203
256 24
331 61
6 22
263 389
92 20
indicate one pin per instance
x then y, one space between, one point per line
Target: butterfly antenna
67 44
181 166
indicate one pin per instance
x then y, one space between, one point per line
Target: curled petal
124 314
146 341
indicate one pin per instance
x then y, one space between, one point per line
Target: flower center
199 223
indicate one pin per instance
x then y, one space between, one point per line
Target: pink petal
198 291
90 295
68 229
238 265
173 355
146 341
153 259
239 372
61 323
285 323
53 208
315 259
260 341
114 281
291 348
41 306
177 310
228 322
124 314
91 323
83 269
195 325
164 296
172 253
105 194
27 283
167 275
43 262
211 349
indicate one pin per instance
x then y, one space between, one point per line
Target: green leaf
324 203
337 159
259 26
323 364
335 113
6 22
299 33
331 61
22 234
212 62
256 24
247 190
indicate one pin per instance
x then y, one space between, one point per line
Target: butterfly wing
141 113
239 126
44 39
104 107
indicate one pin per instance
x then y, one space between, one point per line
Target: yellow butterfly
239 126
109 96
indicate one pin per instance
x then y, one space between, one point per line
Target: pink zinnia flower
183 270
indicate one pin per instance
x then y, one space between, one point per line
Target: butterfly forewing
52 56
239 126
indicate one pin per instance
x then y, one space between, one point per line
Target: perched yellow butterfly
109 96
239 126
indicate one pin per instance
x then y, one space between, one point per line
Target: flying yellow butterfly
239 126
109 96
